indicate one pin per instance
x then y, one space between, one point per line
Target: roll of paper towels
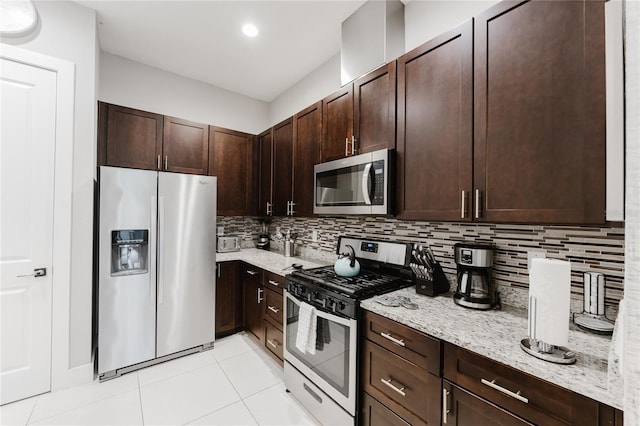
549 299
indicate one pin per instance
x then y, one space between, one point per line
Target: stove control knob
341 306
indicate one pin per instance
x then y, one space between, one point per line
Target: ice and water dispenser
129 251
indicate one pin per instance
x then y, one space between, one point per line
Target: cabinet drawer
410 391
251 273
274 281
462 408
273 307
527 396
376 414
410 344
273 340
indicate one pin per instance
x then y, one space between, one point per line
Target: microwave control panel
378 182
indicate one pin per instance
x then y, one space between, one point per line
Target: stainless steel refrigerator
156 269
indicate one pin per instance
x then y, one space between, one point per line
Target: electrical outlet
314 235
534 255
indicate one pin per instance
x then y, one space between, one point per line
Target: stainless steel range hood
371 37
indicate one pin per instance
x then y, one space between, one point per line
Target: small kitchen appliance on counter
475 287
593 316
430 279
227 244
549 300
263 237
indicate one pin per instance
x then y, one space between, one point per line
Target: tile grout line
140 398
32 410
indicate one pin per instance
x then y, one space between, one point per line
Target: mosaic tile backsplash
596 249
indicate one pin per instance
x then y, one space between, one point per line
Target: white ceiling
203 40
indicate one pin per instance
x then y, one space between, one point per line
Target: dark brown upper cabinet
265 201
307 134
539 113
186 146
233 159
282 168
374 110
129 137
435 137
337 126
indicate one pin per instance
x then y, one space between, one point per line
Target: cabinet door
253 301
186 146
374 114
337 126
307 134
228 299
462 408
128 137
375 414
540 112
282 163
265 203
231 159
435 136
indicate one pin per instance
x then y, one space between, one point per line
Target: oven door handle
366 179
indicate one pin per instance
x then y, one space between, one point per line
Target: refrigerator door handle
153 234
160 250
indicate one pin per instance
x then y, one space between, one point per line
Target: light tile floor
235 383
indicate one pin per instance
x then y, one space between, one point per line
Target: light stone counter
496 334
273 261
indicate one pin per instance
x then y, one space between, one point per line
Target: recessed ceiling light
250 30
19 17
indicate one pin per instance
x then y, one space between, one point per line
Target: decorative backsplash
598 249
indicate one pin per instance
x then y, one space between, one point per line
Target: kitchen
127 83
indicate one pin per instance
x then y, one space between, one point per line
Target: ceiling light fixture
250 30
19 18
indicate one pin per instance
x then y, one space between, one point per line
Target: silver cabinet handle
387 336
463 208
288 208
274 309
445 405
477 204
250 272
218 268
396 389
158 163
260 298
516 395
269 209
275 283
346 147
292 211
272 344
166 162
353 145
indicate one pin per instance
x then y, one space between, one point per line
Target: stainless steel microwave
355 185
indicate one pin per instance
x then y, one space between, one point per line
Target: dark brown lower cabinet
375 414
228 299
463 408
274 314
253 301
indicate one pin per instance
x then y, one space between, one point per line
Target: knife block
434 287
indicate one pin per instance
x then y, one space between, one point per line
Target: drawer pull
516 395
274 309
445 405
276 283
272 344
399 390
398 342
250 272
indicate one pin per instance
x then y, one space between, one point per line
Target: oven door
333 367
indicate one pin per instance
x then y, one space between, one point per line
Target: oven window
341 187
331 360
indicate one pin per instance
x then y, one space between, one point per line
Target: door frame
62 375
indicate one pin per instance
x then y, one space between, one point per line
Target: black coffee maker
475 288
263 237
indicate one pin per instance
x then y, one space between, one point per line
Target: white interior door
28 113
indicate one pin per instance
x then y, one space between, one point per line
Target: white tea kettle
347 265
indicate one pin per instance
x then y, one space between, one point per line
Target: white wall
132 84
68 31
321 82
423 20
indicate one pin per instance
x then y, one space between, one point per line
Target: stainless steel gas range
324 376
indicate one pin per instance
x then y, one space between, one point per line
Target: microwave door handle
366 179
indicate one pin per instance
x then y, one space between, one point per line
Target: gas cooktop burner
357 286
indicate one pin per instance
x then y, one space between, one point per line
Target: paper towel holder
542 350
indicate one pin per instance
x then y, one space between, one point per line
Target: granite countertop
272 261
496 334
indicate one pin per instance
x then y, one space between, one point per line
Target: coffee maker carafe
475 288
